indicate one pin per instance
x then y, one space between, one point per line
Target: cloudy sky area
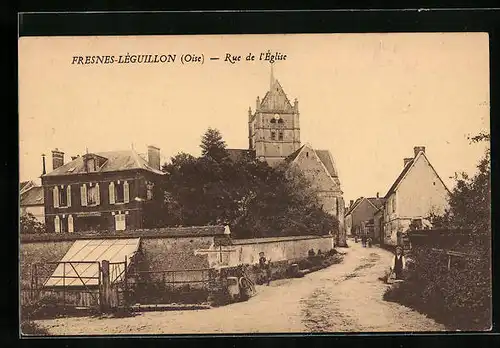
368 98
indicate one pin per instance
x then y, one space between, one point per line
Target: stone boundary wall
246 251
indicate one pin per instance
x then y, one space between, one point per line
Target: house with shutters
417 192
99 191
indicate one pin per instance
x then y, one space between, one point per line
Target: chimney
406 160
418 149
154 157
378 195
43 164
351 202
257 104
57 158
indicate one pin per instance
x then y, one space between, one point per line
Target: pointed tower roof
275 99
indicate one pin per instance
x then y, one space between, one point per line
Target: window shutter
57 224
70 223
56 196
97 194
83 195
68 196
111 193
120 222
126 192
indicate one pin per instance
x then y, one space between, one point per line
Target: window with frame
120 223
93 195
62 196
273 135
394 204
119 192
280 136
91 165
149 190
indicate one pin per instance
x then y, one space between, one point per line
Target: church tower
273 129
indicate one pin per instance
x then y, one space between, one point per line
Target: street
346 297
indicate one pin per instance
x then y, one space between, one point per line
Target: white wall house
31 201
417 192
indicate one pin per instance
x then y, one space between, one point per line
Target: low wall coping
59 237
221 239
275 239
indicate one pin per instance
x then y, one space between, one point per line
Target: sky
368 98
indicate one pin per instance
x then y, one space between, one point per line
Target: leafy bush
29 224
460 297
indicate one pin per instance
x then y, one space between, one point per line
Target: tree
30 225
465 293
254 199
470 200
213 146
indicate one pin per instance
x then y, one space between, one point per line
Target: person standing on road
265 267
398 263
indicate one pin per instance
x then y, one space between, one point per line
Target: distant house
378 226
417 192
100 191
359 216
25 186
31 201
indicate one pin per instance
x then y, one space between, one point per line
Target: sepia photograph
240 184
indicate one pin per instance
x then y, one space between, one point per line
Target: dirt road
342 298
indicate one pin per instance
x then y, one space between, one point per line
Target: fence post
105 290
125 280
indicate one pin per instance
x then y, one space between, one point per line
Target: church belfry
273 129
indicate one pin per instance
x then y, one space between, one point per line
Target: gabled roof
353 206
294 155
25 185
399 178
377 202
33 196
115 161
324 156
407 168
276 99
237 154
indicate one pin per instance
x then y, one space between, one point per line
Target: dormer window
93 162
91 167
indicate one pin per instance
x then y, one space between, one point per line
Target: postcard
238 184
